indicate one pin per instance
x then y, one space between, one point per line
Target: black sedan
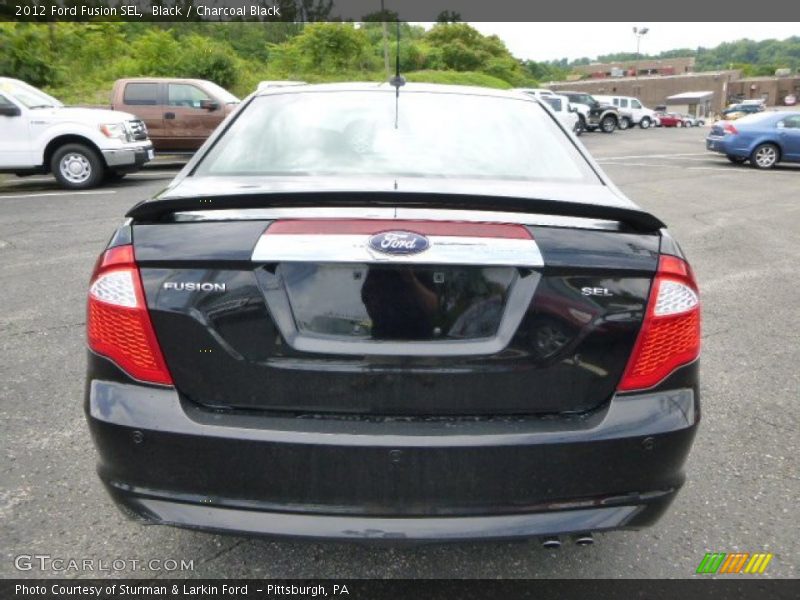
414 313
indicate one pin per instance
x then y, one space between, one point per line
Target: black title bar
406 10
733 588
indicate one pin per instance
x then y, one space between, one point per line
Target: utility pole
638 32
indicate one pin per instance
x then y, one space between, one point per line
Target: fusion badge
194 286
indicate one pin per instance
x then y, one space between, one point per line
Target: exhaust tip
551 543
584 539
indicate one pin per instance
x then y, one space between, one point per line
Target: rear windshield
436 135
142 94
760 117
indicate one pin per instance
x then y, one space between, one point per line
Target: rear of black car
416 362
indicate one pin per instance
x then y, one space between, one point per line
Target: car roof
16 81
387 87
163 79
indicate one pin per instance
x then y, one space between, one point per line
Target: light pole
638 32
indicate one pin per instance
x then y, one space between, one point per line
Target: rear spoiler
634 218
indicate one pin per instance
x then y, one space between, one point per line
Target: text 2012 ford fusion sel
422 314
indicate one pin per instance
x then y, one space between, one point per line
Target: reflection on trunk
379 302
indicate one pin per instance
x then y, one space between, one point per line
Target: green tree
157 52
460 47
26 51
204 58
325 49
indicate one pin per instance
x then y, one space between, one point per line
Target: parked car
764 139
593 114
180 113
264 85
670 120
790 100
737 111
635 113
689 121
625 119
81 147
567 115
359 326
535 92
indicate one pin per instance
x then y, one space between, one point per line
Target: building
643 66
654 90
725 87
690 103
773 90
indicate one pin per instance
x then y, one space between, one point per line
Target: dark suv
594 114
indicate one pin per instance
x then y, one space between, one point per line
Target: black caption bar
406 10
257 589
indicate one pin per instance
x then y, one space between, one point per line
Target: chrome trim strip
444 250
474 216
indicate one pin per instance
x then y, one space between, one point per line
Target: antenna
398 80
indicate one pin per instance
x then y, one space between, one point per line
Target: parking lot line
66 193
161 174
35 179
602 158
671 166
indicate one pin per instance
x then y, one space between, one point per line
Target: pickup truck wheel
76 166
578 128
608 124
645 123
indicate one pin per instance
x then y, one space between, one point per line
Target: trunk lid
312 316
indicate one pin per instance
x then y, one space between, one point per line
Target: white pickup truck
81 147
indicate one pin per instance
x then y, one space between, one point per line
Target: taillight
730 128
670 334
117 322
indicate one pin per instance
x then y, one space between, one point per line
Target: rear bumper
421 529
725 145
164 460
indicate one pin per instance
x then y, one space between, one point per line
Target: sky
548 41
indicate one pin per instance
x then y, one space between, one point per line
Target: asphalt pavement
740 229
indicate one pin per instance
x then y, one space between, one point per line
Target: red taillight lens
117 322
670 334
730 128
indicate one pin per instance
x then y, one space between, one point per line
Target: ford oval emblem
401 243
